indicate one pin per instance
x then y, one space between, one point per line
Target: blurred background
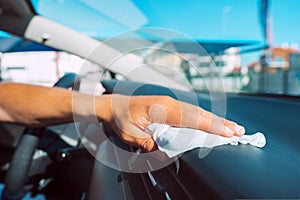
252 44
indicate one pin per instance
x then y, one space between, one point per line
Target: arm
129 116
34 106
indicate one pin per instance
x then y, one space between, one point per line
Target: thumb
139 138
145 140
149 145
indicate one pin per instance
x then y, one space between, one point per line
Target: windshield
252 45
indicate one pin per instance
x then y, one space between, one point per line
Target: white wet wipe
174 141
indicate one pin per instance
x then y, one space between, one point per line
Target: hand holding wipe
174 141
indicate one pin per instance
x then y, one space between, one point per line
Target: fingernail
228 131
239 129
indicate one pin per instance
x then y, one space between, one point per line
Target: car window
241 49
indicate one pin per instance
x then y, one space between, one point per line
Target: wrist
103 108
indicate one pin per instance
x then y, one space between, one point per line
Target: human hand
129 116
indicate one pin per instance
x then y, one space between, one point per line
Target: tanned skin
38 106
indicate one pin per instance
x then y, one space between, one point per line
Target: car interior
85 160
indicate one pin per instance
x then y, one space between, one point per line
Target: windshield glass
252 45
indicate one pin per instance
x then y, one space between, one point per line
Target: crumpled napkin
174 141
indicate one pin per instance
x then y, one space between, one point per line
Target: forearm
38 106
34 105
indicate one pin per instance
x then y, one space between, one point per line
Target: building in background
281 73
41 68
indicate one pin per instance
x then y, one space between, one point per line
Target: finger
157 114
134 136
195 117
190 116
143 140
148 145
218 125
238 129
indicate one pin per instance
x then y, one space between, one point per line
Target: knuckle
166 99
148 144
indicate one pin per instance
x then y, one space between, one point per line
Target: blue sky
286 15
227 18
201 19
205 19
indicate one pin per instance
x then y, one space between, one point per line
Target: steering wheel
21 161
